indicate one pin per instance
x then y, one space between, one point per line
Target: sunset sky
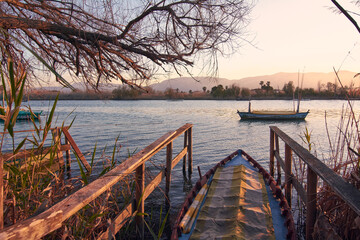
296 35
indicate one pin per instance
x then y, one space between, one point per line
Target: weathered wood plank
118 222
343 189
157 180
272 162
277 151
190 156
288 163
30 130
57 143
76 149
169 150
299 188
68 156
181 130
311 202
25 153
122 218
43 164
140 207
280 160
50 220
184 160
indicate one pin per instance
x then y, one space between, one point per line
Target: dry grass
344 160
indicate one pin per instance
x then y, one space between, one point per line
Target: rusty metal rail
315 169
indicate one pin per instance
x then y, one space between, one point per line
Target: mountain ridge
277 81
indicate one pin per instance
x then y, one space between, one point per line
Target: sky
292 36
295 35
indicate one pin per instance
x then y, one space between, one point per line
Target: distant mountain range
277 81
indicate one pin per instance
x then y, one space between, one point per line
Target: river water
217 129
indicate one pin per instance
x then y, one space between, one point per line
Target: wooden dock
50 220
53 218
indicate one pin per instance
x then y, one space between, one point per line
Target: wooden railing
57 148
315 168
52 219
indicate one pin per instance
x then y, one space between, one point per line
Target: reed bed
344 159
336 220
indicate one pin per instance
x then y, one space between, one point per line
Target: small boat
236 199
272 115
26 115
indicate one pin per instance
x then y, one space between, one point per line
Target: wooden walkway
52 219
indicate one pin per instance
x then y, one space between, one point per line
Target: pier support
140 186
288 156
272 156
190 157
311 202
169 149
184 158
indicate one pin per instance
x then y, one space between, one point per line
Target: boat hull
26 115
272 116
284 225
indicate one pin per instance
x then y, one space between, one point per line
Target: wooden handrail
316 168
345 190
52 219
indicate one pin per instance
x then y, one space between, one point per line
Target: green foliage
217 91
245 92
267 87
125 92
289 89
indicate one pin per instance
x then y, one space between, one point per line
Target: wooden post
184 159
311 202
277 150
57 142
76 149
1 192
168 169
140 186
272 137
68 157
288 161
190 159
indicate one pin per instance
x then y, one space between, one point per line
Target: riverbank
110 96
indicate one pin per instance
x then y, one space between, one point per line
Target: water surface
217 129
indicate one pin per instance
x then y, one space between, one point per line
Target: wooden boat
26 115
273 115
236 199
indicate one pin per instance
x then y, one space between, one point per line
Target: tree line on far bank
265 91
328 90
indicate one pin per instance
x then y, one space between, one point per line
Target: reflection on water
217 130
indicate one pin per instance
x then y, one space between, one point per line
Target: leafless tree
105 40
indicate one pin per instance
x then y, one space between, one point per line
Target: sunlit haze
292 36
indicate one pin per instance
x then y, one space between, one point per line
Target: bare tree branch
124 40
347 15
